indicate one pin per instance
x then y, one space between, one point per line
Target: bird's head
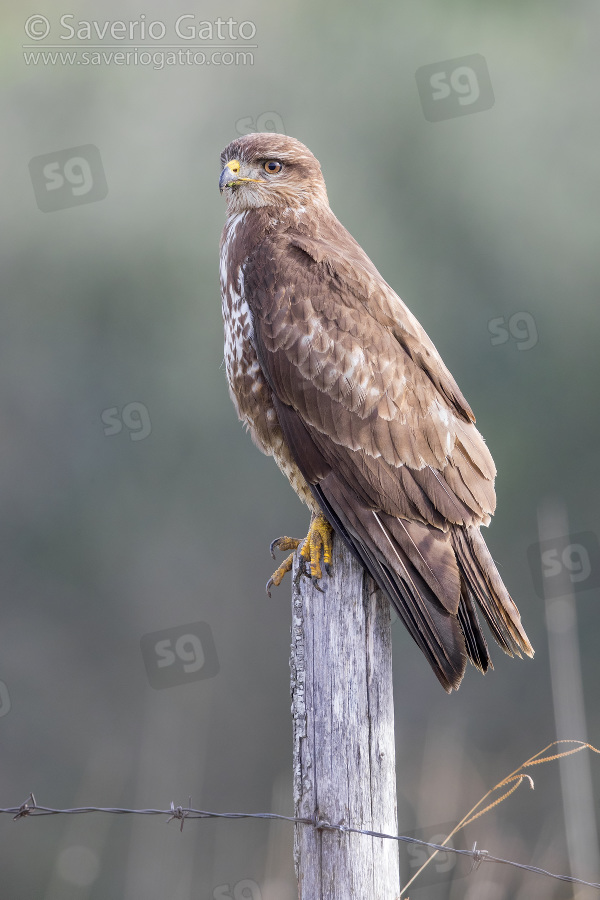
270 170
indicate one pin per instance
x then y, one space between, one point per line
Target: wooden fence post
344 750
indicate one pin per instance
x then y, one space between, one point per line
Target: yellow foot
282 543
317 542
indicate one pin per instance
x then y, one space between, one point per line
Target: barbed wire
181 813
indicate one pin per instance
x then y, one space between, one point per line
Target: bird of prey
337 380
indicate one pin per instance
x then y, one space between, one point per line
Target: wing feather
384 438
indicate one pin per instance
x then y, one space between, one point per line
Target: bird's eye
272 166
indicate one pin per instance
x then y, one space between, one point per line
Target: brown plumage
336 379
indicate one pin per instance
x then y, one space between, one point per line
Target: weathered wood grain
344 750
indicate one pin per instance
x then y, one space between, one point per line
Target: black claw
329 568
315 582
274 544
270 583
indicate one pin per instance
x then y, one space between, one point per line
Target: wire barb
25 808
478 857
178 812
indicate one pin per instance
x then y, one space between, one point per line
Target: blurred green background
111 314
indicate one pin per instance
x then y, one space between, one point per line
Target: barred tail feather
436 631
435 580
485 585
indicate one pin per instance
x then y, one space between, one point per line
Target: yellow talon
277 576
317 541
284 543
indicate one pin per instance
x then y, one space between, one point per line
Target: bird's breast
248 387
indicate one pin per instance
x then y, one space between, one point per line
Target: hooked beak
230 176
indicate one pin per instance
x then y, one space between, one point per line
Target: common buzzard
337 380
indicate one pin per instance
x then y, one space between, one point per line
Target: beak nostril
230 176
